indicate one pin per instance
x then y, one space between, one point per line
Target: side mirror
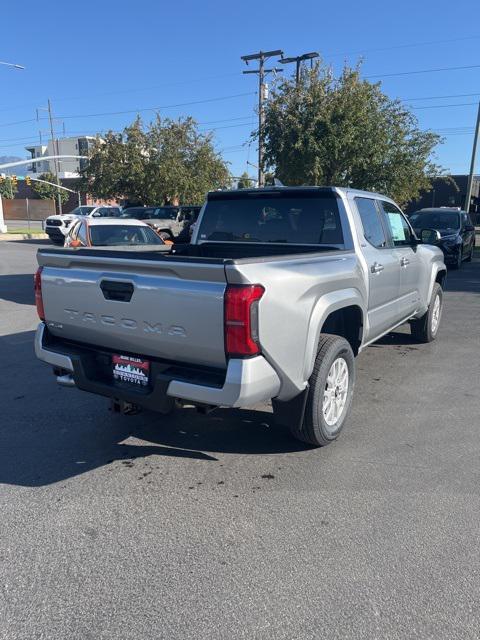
96 214
469 227
430 236
75 244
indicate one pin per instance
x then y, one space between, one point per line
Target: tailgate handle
119 291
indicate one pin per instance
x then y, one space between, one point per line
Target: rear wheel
330 394
425 329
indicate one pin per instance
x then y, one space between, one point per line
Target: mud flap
290 413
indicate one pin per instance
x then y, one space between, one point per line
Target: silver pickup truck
278 292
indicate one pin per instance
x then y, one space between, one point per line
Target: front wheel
330 394
425 329
470 255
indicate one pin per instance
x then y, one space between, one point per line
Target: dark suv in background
456 230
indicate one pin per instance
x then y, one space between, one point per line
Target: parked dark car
456 230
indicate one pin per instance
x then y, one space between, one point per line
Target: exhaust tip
66 380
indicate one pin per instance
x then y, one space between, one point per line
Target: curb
23 236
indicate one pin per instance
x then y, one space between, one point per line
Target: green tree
168 161
7 188
345 131
245 181
49 191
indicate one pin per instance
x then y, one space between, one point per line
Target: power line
402 46
227 75
453 95
443 106
28 139
158 108
409 73
230 126
9 124
125 91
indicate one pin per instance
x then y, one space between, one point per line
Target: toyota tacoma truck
276 294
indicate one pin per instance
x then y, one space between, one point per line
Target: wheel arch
338 313
439 274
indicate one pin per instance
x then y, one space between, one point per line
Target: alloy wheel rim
336 391
436 314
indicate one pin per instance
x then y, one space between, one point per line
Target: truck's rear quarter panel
298 293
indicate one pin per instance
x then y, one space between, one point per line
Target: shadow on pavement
41 241
49 434
397 338
17 287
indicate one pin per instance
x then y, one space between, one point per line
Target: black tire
470 255
422 329
315 429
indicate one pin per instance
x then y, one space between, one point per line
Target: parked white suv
57 227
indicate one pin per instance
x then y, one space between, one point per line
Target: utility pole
261 56
472 163
298 61
55 151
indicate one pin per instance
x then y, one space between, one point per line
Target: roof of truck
213 195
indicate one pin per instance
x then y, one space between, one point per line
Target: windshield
298 220
82 211
441 220
118 234
151 213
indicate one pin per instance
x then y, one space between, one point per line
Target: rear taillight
37 285
241 319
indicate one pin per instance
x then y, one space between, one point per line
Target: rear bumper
244 383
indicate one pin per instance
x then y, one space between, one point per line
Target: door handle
376 267
404 262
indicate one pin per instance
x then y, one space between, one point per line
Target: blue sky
105 56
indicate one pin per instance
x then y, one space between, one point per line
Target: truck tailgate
159 308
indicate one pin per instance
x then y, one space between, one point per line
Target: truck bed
213 252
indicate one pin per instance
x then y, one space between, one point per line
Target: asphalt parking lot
222 526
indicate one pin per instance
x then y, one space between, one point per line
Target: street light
298 61
11 64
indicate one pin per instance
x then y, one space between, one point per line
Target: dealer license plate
135 371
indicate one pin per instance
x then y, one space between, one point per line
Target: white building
68 167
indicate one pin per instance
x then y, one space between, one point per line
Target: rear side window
275 219
372 225
400 230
